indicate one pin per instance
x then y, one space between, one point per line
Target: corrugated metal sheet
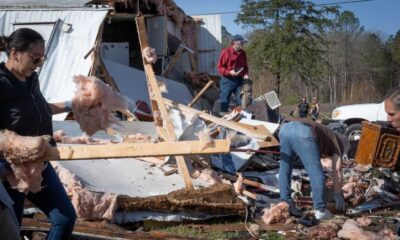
43 3
65 58
209 43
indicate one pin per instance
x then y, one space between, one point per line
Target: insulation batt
352 231
149 54
325 230
207 175
60 137
94 103
277 213
22 152
88 204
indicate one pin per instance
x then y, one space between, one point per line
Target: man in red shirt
232 65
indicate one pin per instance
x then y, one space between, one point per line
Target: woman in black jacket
24 110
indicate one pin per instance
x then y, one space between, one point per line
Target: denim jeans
227 87
298 138
52 200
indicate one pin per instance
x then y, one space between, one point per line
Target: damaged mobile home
103 39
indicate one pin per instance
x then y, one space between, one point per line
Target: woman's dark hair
21 39
394 96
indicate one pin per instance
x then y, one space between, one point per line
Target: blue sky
377 15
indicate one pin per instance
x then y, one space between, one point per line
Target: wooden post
158 105
202 91
95 51
252 131
173 61
125 150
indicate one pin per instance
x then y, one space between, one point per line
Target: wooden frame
164 126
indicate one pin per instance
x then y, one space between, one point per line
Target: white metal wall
209 43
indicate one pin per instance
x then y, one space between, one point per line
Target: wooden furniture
379 146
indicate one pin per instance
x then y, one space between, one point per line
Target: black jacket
23 109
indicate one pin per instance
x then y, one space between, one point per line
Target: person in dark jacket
303 108
25 111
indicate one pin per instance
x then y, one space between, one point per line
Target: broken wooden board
164 125
216 199
99 230
251 131
173 61
122 150
202 91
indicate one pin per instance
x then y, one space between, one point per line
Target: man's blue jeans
298 138
52 200
227 87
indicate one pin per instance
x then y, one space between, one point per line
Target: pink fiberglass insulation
94 104
137 138
88 204
352 231
60 137
277 213
364 221
22 152
149 54
207 175
326 230
19 149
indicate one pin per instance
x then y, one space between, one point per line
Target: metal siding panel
42 3
209 43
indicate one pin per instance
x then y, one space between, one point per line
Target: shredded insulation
94 104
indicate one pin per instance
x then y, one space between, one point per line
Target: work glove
340 203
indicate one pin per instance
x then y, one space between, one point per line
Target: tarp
73 37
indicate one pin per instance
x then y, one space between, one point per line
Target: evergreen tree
288 39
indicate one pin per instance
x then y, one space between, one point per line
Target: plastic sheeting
65 56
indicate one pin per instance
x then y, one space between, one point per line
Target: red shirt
230 59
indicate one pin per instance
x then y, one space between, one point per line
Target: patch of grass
271 236
189 231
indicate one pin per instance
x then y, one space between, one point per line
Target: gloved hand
340 203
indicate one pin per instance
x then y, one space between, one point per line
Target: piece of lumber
157 103
173 61
202 91
123 150
254 131
252 183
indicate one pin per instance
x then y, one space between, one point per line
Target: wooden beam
173 61
202 91
96 51
253 131
125 150
157 103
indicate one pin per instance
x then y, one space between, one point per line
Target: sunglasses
37 60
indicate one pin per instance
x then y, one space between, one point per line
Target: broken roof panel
43 3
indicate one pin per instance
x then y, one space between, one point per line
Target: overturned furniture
379 146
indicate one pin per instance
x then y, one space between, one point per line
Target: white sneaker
323 215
